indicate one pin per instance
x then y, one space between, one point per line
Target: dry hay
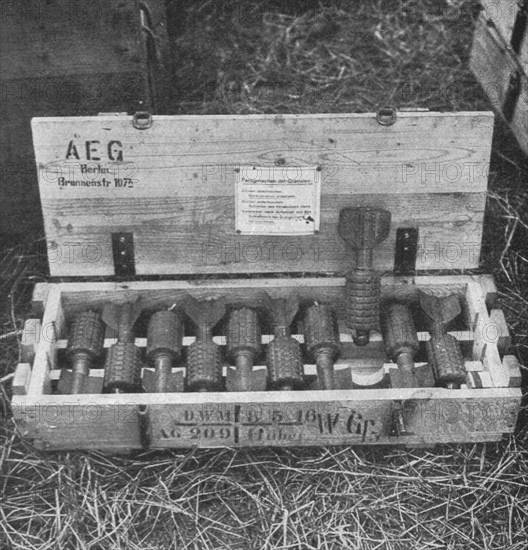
253 57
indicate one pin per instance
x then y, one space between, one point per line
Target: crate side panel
366 421
66 57
503 15
490 64
217 420
519 123
175 187
493 64
43 39
67 422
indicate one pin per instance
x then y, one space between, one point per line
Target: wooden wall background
70 57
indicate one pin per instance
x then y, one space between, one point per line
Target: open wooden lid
180 194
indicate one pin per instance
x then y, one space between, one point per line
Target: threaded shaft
81 364
325 369
405 361
401 340
162 362
446 360
399 332
244 369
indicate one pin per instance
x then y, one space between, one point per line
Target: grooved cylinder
86 334
399 332
320 329
164 334
362 307
85 343
321 335
204 367
243 333
446 360
284 360
123 369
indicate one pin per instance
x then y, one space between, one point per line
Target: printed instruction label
277 200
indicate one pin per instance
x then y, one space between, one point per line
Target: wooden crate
68 57
180 217
482 411
499 60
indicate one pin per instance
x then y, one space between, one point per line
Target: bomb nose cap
364 227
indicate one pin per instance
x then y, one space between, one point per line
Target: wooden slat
485 341
39 297
202 238
158 294
344 338
488 288
500 326
46 352
309 369
181 205
52 423
197 155
30 340
355 417
512 365
21 380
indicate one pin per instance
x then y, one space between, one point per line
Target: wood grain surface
429 169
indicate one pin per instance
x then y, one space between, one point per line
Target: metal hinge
123 254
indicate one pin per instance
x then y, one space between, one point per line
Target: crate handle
386 116
142 120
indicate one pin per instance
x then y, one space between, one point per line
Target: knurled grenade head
243 332
123 368
284 360
164 334
204 366
399 332
320 329
363 296
86 334
446 360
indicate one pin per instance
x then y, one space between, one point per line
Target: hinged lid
171 186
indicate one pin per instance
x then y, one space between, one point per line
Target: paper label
277 200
